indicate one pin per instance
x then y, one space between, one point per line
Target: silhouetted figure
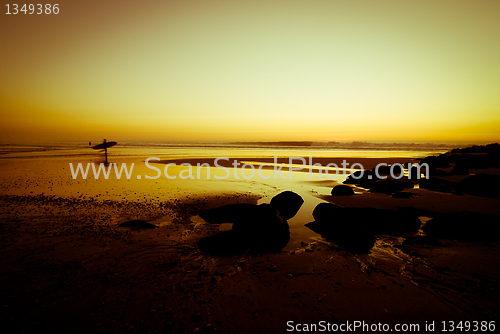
104 146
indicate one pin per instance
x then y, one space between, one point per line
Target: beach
68 265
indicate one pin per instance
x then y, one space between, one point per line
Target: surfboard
102 146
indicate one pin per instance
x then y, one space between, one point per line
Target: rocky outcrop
390 186
263 226
287 203
464 225
342 190
437 184
403 194
355 228
361 178
482 184
459 169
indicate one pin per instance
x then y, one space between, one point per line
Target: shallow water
44 169
200 150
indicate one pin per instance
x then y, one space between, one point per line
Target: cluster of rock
382 183
482 184
457 162
342 190
265 227
463 225
261 227
355 228
464 159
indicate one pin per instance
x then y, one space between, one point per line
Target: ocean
230 149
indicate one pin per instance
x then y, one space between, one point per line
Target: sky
251 70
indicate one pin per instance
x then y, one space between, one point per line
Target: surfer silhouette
104 146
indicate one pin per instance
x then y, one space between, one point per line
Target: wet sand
68 266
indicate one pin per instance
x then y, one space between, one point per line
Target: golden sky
395 70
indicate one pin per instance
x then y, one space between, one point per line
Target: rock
361 178
378 221
342 190
482 184
490 148
256 226
263 222
391 222
390 186
435 172
436 161
355 228
384 170
402 194
415 172
464 225
326 211
397 169
357 241
459 169
228 214
287 203
437 184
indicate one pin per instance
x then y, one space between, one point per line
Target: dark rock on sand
287 203
230 213
390 186
342 190
377 221
384 170
355 228
474 157
138 224
415 172
361 178
459 169
495 147
489 148
326 211
440 161
390 222
357 241
437 184
482 184
433 172
402 194
262 227
259 227
464 225
263 222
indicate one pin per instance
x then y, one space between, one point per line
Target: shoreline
70 267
